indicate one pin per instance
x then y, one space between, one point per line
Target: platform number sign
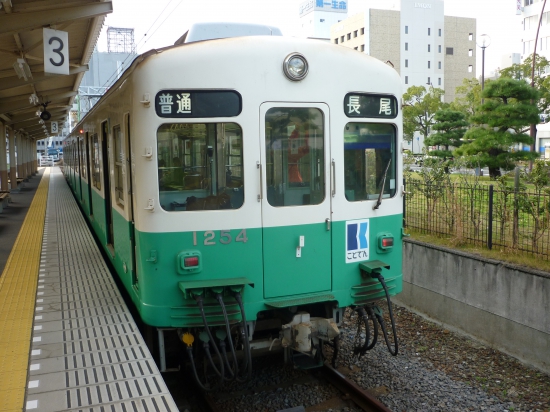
56 51
54 127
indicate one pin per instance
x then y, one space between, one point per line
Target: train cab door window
369 161
295 205
96 181
119 162
294 156
200 166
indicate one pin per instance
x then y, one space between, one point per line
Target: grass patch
497 253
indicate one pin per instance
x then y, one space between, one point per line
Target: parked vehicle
46 161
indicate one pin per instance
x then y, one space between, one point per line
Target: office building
426 47
317 17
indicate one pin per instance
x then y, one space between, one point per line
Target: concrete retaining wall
503 305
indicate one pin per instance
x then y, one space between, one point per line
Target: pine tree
509 108
450 127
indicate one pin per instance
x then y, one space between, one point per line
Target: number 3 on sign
54 127
56 51
225 237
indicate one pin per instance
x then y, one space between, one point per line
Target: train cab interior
369 161
200 166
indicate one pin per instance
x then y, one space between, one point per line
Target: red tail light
191 261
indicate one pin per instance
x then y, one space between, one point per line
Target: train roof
246 30
223 30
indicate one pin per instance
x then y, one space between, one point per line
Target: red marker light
191 261
387 242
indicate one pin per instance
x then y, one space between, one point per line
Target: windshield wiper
379 201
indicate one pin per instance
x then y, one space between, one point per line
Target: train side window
295 153
368 148
96 177
83 168
119 161
200 166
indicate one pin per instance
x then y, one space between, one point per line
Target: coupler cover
305 332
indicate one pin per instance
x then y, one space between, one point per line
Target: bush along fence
503 214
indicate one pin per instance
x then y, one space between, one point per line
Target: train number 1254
224 237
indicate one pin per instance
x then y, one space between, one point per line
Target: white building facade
317 16
422 45
426 47
530 12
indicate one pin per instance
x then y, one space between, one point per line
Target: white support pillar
13 161
3 159
28 157
34 168
20 150
25 159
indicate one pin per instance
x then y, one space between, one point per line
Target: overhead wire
113 78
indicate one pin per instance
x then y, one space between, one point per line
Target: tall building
530 13
317 16
426 47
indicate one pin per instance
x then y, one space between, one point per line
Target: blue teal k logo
357 240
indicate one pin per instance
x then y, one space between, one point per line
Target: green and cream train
247 188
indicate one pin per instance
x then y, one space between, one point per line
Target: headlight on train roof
295 67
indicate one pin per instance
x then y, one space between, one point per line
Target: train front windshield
369 160
200 166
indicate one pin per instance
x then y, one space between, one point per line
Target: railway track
344 394
352 391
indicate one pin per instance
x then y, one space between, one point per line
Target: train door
80 167
89 172
106 150
295 199
130 182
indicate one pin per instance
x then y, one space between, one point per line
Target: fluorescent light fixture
5 2
33 99
22 69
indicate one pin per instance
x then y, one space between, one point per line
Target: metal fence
481 215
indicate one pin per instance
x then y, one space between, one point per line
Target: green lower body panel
260 263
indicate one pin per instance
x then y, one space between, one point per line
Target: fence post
404 203
515 229
490 226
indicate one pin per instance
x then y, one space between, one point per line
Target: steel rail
357 394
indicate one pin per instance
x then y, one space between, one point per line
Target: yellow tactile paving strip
17 302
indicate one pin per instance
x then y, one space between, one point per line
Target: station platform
67 339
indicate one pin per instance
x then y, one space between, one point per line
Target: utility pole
533 131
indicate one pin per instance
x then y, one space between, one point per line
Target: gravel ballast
435 370
438 370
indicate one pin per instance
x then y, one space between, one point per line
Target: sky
159 23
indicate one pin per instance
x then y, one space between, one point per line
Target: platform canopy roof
21 44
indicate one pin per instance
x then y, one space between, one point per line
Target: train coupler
303 339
